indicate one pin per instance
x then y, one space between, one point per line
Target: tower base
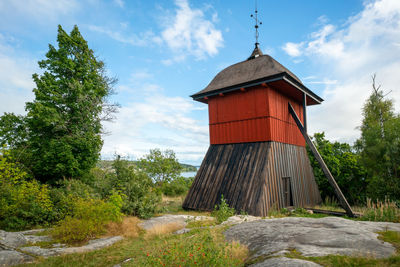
254 178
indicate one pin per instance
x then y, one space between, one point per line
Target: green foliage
379 146
381 211
64 119
161 166
345 166
66 192
139 195
177 186
13 132
222 211
88 220
23 203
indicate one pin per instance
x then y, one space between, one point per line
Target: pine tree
63 122
379 145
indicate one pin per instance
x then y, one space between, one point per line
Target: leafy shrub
23 203
140 198
177 186
89 219
386 211
222 211
161 166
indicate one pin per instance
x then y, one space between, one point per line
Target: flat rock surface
12 257
285 262
312 237
14 249
12 239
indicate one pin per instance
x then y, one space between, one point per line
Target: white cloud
293 49
15 79
349 55
41 10
143 39
119 3
158 121
189 33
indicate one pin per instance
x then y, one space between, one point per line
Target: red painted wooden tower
257 157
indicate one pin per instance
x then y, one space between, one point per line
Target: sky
163 51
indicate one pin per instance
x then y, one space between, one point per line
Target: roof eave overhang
202 97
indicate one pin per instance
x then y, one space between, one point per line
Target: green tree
345 167
161 166
379 145
61 131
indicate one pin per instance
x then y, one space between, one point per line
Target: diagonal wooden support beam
338 192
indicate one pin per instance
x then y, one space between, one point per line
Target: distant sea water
188 174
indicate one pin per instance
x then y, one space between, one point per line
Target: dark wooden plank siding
249 175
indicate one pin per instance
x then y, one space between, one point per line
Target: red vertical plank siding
255 115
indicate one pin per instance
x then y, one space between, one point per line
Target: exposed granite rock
285 262
12 239
240 219
313 237
12 257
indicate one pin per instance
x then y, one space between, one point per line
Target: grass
344 261
201 223
381 211
128 227
173 205
162 229
200 247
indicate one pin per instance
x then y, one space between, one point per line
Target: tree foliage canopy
61 131
379 145
344 165
161 166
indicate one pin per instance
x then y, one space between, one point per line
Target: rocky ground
19 247
267 239
270 239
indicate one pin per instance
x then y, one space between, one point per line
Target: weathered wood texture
251 178
342 199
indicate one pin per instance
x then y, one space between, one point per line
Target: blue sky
163 51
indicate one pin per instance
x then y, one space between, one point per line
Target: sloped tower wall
252 177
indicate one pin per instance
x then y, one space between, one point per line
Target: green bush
23 203
140 197
222 211
88 220
177 186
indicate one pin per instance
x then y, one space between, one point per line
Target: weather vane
255 16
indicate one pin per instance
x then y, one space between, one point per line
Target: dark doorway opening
287 192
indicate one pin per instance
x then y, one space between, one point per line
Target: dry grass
173 199
237 251
162 229
381 211
127 228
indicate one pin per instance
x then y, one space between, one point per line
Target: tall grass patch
381 211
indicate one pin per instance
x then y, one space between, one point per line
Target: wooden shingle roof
257 69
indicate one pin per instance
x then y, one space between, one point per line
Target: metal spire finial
255 16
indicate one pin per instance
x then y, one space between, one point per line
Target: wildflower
148 254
